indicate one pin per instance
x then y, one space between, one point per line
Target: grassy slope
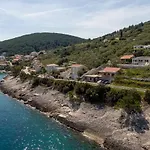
36 42
95 52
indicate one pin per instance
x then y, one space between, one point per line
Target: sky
83 18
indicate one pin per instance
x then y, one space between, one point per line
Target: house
2 58
34 54
141 47
138 47
17 58
61 69
51 67
75 68
42 52
126 59
108 73
91 78
27 57
36 65
143 60
3 65
147 46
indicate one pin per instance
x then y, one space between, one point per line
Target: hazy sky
84 18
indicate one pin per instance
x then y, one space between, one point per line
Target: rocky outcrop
103 124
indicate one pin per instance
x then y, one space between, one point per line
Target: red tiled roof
16 59
110 69
127 57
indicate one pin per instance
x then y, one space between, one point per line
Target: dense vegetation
99 51
129 100
147 96
37 42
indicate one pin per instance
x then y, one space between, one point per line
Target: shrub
130 102
80 88
147 96
113 96
24 76
15 70
64 86
95 94
90 93
36 82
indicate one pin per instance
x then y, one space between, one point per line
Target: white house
52 67
147 46
36 65
141 47
34 54
2 58
143 60
138 47
27 57
75 68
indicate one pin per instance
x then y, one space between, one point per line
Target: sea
22 128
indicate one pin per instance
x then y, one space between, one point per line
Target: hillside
36 42
99 51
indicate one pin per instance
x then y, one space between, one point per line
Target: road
111 86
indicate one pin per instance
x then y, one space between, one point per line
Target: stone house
109 73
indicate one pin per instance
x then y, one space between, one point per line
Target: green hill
36 42
99 51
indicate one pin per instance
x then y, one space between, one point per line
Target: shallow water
22 128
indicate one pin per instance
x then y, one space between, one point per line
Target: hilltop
36 42
96 52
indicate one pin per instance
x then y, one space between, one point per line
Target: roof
142 57
52 65
92 76
16 59
61 68
110 69
76 65
127 57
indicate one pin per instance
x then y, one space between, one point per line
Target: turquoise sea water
24 129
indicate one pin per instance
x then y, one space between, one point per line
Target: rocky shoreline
97 123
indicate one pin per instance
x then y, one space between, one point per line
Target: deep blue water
22 128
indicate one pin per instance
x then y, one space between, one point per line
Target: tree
82 71
131 102
16 70
147 96
121 34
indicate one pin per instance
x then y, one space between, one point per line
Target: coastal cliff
105 125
